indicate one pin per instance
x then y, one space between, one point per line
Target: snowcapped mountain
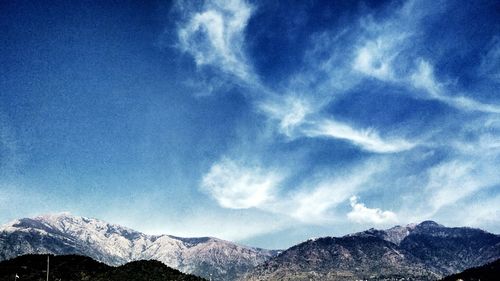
115 245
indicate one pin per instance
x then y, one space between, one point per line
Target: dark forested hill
487 272
81 268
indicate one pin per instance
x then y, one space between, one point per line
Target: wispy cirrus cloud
215 36
315 203
424 78
290 113
238 186
375 58
384 53
391 57
226 39
452 181
366 139
299 118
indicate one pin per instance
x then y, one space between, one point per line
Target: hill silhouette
487 272
81 268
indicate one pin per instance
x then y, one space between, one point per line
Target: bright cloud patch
240 187
362 214
215 36
374 59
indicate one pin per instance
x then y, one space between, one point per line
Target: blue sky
262 122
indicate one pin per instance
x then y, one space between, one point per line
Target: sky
260 122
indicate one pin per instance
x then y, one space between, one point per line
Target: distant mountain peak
429 223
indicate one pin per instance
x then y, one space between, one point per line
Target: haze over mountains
425 251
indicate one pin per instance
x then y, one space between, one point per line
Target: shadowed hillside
487 272
81 268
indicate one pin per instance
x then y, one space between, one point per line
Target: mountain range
425 251
64 234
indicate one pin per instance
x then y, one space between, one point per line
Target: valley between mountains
425 251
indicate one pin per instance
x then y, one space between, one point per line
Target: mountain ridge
425 251
115 245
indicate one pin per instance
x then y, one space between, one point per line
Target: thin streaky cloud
290 112
424 78
383 52
366 139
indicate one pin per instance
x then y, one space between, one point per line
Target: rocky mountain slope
426 251
115 245
80 268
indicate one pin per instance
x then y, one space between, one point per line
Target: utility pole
48 257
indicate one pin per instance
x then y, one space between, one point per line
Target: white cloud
472 105
424 78
237 186
223 22
215 36
289 111
297 118
313 203
450 182
375 58
362 214
384 51
379 57
453 181
480 212
367 139
377 53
